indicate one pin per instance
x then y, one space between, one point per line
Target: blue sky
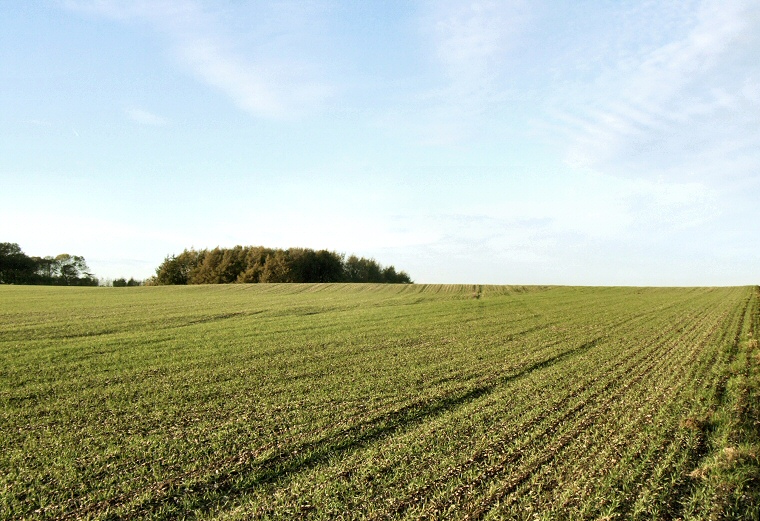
589 142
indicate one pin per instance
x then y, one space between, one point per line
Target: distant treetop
63 270
251 264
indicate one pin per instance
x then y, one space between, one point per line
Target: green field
379 401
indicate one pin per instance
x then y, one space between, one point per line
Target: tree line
252 264
124 283
62 270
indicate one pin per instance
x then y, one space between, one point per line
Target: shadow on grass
198 497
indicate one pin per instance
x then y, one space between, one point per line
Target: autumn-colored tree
276 268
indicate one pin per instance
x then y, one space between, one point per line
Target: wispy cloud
468 43
470 38
145 117
682 107
37 122
592 209
599 226
203 41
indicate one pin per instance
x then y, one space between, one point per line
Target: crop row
361 401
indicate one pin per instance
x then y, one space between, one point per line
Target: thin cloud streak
468 44
593 208
200 42
678 103
145 117
587 138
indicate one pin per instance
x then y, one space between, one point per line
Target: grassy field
376 402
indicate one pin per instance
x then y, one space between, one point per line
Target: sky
495 142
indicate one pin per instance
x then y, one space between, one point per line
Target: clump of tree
253 264
63 270
124 283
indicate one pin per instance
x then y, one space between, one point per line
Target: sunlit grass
378 401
